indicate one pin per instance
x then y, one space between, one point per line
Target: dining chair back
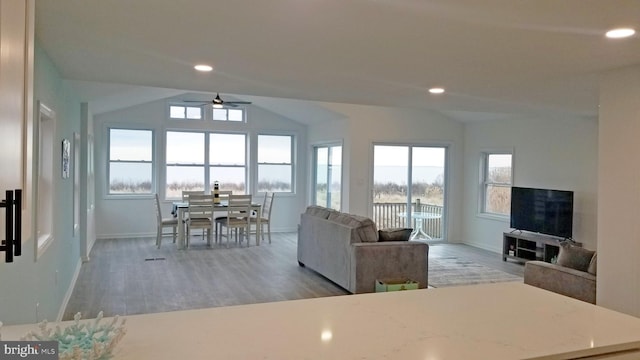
200 215
265 215
187 193
163 223
238 217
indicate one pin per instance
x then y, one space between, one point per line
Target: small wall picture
66 154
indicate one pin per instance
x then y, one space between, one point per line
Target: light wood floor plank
119 281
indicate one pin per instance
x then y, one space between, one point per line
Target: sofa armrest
387 260
562 280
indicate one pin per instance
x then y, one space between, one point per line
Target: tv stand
523 246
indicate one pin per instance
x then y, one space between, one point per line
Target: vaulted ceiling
491 56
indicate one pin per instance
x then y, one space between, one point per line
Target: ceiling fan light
203 67
620 33
217 106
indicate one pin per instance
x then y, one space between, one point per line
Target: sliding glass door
327 185
409 189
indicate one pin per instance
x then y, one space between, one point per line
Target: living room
552 148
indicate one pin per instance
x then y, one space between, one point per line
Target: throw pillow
593 267
394 234
574 257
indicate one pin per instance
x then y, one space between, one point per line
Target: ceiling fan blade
237 102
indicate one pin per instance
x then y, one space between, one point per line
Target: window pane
131 145
275 149
227 149
185 148
220 114
230 178
390 174
181 178
322 155
176 112
275 178
127 178
498 199
194 113
499 168
427 172
235 115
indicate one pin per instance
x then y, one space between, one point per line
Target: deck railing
386 215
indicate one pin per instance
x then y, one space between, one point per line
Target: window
409 188
185 162
130 161
45 186
228 114
275 163
185 112
227 158
497 180
328 176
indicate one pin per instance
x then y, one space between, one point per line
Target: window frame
485 183
292 163
185 106
208 165
107 188
227 108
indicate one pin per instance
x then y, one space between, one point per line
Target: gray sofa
345 249
574 275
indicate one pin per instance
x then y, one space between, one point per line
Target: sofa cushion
574 257
394 234
319 211
365 228
593 267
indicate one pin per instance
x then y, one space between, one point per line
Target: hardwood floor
131 276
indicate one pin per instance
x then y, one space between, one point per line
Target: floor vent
154 259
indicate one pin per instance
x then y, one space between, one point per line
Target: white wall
365 125
552 153
135 217
618 287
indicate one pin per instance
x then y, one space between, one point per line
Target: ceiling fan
218 103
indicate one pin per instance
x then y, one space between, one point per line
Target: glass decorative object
89 340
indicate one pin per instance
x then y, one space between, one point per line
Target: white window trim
107 194
203 112
482 194
292 163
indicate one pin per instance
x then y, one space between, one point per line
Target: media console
525 246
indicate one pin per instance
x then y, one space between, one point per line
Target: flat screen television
543 211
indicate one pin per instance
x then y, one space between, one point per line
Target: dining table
180 208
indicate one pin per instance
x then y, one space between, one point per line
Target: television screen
543 211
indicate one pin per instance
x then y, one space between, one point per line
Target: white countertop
492 321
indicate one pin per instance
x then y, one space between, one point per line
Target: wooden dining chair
238 218
265 215
186 193
200 215
163 223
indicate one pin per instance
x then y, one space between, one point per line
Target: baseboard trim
483 246
67 296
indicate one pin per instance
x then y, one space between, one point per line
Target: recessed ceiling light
202 67
436 90
620 33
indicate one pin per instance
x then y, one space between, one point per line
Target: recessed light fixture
203 67
436 90
620 33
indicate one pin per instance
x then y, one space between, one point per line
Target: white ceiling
492 56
